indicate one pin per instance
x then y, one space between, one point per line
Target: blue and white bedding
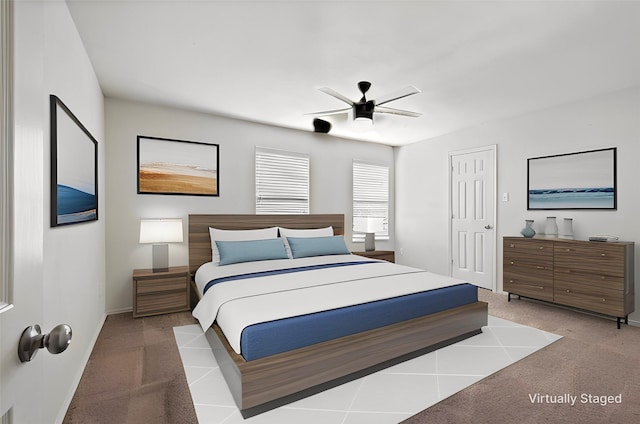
250 293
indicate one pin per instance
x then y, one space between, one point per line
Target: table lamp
369 226
160 232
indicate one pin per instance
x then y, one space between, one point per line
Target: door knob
32 339
488 227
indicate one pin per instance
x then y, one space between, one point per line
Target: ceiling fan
363 108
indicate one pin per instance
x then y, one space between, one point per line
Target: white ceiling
263 61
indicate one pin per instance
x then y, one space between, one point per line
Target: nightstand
385 255
160 292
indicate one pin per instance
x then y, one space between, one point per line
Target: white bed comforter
238 304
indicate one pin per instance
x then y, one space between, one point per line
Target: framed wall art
167 166
582 180
74 168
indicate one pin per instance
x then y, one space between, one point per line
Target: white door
473 239
21 387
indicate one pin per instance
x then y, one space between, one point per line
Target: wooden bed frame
265 383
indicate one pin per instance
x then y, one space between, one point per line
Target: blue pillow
233 252
302 247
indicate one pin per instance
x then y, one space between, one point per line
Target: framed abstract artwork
167 166
582 180
74 168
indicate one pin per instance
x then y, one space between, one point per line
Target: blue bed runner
269 338
280 271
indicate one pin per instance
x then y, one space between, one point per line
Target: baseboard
120 311
76 380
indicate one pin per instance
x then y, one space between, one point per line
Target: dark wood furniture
385 255
157 293
592 276
265 383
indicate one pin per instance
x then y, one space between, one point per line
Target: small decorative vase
551 228
567 229
528 230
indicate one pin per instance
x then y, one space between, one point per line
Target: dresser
592 276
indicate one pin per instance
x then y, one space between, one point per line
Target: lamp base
370 242
160 257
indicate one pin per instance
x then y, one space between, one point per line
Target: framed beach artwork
582 180
167 166
74 168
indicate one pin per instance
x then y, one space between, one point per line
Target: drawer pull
602 277
604 300
511 281
540 267
603 254
511 262
568 291
541 247
568 250
512 245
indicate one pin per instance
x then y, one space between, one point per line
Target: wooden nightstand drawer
162 302
160 285
160 292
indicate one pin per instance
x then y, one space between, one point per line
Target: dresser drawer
522 263
527 247
528 285
592 279
602 300
593 257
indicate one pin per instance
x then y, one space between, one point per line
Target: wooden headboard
200 242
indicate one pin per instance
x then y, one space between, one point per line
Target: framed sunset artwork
168 166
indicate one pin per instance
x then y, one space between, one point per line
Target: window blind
370 197
282 182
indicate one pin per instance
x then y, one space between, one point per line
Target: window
282 182
370 199
6 152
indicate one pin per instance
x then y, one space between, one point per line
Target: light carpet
385 397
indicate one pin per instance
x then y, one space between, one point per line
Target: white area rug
388 396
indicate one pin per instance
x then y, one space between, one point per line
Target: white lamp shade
161 230
368 224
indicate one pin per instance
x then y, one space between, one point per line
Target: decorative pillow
238 235
285 233
233 252
317 246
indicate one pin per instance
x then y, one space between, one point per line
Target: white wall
422 177
59 272
331 160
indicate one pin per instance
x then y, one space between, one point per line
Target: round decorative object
528 230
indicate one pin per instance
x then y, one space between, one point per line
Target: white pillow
238 235
303 233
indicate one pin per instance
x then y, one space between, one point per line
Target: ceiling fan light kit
364 109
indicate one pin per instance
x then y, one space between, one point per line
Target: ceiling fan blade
379 109
407 91
330 112
334 93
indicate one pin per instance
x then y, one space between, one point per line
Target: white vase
567 228
551 228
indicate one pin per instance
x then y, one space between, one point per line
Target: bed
374 331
